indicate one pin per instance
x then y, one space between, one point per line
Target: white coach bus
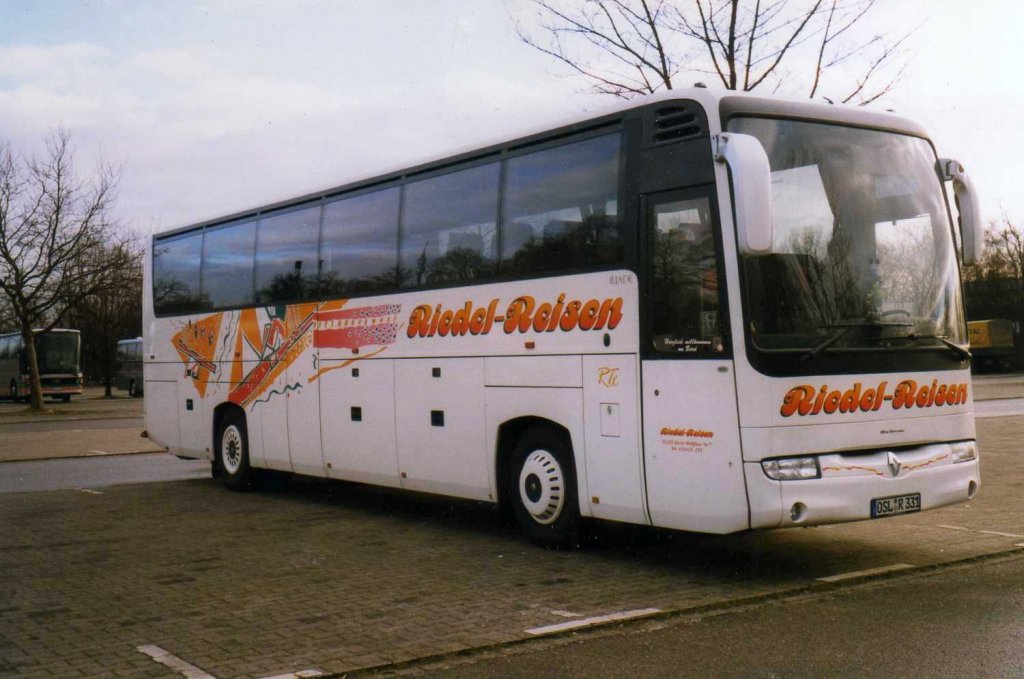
704 311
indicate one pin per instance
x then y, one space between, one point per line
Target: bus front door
692 460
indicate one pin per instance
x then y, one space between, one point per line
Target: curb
78 456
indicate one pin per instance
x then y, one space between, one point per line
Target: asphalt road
966 621
71 424
999 407
97 472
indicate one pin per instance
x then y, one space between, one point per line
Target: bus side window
176 264
227 274
359 244
286 255
560 208
683 292
448 223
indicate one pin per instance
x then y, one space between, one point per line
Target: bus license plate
897 504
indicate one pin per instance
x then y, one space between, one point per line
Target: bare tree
994 287
1003 260
57 240
7 322
1007 250
111 313
628 48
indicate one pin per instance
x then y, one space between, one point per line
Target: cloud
35 61
172 64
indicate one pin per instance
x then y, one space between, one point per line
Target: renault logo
894 463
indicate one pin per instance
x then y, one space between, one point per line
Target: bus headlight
791 468
965 451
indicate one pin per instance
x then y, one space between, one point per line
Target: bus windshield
863 256
57 352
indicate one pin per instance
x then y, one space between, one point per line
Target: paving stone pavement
339 577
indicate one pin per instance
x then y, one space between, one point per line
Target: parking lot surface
338 577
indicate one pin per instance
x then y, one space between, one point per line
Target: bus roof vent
675 123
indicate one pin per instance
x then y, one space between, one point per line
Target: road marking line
865 572
597 620
89 490
985 532
566 614
297 675
163 657
99 452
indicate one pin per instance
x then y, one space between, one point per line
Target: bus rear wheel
233 452
543 491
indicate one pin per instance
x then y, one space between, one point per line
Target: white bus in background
704 311
58 354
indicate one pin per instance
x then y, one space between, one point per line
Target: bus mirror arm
972 232
752 189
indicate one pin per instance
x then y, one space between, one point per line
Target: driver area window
687 317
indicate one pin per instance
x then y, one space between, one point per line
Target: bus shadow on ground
785 555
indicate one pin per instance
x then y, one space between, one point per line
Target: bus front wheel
233 451
543 489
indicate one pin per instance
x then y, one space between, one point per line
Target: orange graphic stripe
344 364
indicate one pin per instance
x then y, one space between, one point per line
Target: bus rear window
176 263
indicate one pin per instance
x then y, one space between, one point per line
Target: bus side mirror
751 187
972 232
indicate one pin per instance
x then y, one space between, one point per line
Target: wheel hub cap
542 487
231 449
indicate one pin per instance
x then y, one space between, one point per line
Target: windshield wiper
843 329
953 346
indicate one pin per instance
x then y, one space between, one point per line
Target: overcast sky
217 106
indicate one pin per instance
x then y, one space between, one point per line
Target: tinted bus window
359 248
286 255
561 208
684 299
448 227
176 264
228 263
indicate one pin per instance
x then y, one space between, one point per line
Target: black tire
233 451
66 398
542 488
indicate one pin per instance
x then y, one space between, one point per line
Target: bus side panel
611 422
357 416
562 406
273 415
161 414
193 422
694 464
254 424
303 404
440 419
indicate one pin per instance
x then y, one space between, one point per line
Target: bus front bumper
863 486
